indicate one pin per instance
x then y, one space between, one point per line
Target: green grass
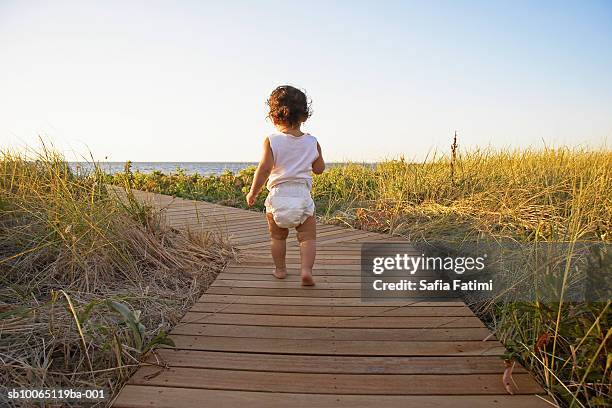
524 196
88 283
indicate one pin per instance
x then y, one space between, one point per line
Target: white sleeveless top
293 157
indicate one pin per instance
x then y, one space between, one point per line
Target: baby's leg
308 251
306 234
278 247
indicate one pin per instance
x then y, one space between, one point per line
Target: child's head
289 106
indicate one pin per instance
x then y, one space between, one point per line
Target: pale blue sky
187 81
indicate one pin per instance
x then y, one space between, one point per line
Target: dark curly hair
289 106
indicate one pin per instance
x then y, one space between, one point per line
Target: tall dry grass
527 195
88 283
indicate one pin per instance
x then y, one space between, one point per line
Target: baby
289 157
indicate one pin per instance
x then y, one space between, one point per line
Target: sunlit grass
88 283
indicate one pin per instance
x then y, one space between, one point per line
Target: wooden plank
387 322
340 334
336 311
244 265
330 364
327 255
247 225
281 283
292 276
285 283
212 222
368 384
211 212
265 261
199 212
135 396
300 300
310 292
334 347
260 237
216 222
344 236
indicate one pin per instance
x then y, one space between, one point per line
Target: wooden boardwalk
254 341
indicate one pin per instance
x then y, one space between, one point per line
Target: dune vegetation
525 196
88 283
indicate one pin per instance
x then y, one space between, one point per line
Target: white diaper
290 204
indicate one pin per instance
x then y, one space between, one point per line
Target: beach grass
525 196
89 283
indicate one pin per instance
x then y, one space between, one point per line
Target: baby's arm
318 166
262 173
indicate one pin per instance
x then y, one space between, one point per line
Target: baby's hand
250 198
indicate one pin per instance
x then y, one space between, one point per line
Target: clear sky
188 80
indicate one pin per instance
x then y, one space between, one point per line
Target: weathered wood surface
254 341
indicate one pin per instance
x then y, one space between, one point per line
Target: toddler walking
289 157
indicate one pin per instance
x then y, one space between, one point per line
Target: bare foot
307 279
280 273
